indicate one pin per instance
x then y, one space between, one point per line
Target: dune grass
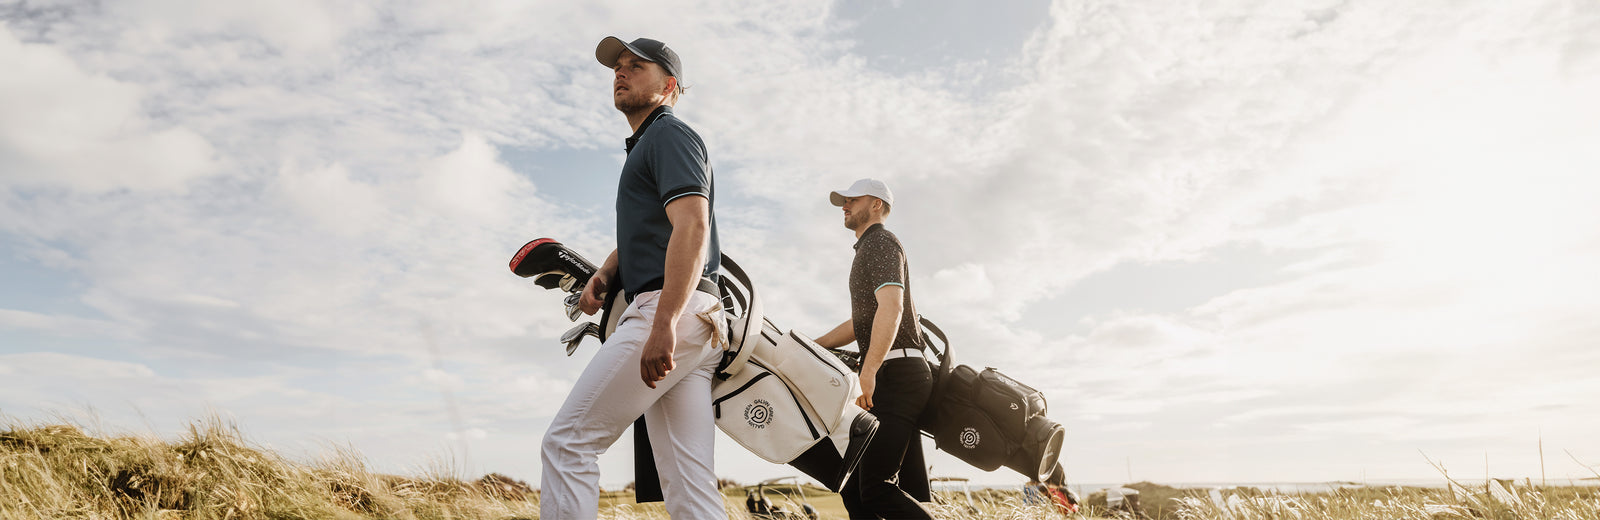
1494 501
211 472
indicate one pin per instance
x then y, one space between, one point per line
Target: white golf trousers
610 395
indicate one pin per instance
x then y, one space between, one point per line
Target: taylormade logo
574 261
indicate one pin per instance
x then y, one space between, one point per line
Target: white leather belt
903 352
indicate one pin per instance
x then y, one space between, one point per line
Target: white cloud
328 199
59 324
298 26
61 126
540 386
471 182
444 380
47 364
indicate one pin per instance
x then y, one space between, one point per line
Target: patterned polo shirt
880 261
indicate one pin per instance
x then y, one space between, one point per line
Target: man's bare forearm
840 336
686 259
885 325
608 268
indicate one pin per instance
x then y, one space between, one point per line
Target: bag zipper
805 409
717 404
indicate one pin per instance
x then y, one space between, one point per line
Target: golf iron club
572 306
575 335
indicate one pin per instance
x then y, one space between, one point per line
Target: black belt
705 286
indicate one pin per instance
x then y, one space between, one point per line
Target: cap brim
837 197
611 48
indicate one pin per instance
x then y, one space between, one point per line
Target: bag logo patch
969 438
834 381
758 414
1013 406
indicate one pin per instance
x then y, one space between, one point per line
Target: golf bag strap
746 329
944 355
611 310
941 373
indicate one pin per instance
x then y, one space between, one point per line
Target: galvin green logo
969 438
758 414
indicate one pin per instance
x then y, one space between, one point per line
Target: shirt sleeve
884 260
680 164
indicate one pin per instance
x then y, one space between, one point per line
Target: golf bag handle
926 324
744 329
945 363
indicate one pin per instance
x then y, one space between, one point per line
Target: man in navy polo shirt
660 359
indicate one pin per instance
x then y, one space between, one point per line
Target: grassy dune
1494 501
212 472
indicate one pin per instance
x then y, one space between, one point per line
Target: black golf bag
779 395
987 419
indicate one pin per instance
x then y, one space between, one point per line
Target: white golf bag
779 395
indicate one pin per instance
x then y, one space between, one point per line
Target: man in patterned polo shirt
658 362
895 378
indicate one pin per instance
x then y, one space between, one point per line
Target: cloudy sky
1231 241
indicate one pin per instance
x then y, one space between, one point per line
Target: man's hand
656 358
594 294
869 380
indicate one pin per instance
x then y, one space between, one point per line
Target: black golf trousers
902 390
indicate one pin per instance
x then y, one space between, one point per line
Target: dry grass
1494 501
211 472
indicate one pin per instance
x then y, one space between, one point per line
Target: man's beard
853 221
633 101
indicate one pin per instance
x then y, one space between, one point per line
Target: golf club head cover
552 265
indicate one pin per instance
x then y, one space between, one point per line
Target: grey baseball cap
651 50
873 187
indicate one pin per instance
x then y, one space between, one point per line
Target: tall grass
1493 500
211 472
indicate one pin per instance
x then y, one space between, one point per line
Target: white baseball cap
873 187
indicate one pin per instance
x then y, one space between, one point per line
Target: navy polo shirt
666 160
